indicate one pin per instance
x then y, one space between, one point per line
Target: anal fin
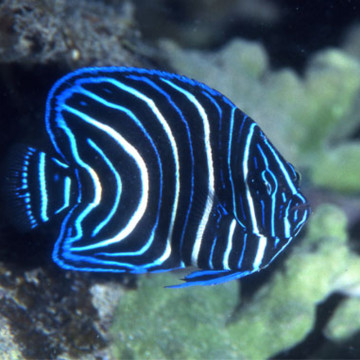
210 277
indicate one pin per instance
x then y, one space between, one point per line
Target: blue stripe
67 189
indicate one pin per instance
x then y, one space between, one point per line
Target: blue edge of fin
209 277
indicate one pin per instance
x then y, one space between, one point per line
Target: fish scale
151 171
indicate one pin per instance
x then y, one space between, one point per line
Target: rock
75 34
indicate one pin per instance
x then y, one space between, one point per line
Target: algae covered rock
8 348
193 323
73 33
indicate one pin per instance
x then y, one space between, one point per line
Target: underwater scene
180 179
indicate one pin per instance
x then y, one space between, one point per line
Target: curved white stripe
139 212
170 136
117 190
211 183
260 252
58 162
273 195
229 245
287 225
282 167
246 171
93 175
67 188
231 179
166 254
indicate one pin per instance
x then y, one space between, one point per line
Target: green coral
332 82
345 322
339 169
159 323
303 115
191 323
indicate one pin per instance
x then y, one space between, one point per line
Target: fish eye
268 181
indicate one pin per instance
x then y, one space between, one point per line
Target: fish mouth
302 207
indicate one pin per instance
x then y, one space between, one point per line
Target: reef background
292 66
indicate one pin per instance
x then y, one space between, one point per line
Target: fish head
272 203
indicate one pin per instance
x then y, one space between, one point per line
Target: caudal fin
20 189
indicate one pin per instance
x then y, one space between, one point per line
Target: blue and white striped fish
150 171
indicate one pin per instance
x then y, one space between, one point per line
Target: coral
339 169
345 321
194 323
159 323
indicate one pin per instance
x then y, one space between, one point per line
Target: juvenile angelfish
150 171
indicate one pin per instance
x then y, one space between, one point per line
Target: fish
145 171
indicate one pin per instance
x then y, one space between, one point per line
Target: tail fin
31 179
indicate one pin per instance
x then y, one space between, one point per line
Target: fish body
151 171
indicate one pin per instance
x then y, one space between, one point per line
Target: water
292 66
